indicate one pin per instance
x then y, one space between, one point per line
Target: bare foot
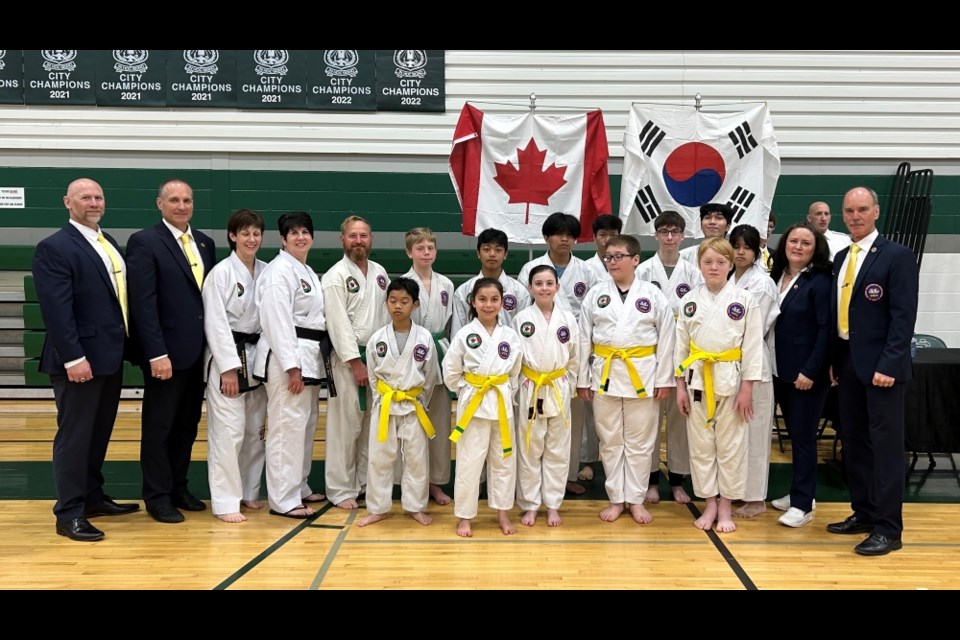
349 503
371 518
252 504
505 525
586 474
438 495
705 521
575 489
612 512
680 496
640 514
463 528
421 517
750 509
314 497
553 518
653 495
529 518
231 517
724 517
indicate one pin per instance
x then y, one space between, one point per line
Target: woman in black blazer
801 269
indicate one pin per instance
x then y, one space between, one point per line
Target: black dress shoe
79 529
166 513
877 544
850 525
108 507
188 502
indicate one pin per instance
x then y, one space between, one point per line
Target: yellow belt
708 358
539 380
395 395
609 353
483 384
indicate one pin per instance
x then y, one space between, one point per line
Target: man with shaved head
819 216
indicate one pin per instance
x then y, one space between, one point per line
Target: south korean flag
679 158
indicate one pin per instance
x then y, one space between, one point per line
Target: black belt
326 348
245 338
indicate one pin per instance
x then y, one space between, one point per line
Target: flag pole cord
532 105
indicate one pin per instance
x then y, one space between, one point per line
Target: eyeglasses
617 257
666 233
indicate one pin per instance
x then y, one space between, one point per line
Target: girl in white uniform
482 367
720 354
289 360
550 339
236 403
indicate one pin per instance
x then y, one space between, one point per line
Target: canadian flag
680 158
511 172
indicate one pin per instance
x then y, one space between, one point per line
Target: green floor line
332 553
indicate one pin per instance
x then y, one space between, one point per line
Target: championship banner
11 76
680 158
511 172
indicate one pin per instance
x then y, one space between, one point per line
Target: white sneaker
795 518
783 503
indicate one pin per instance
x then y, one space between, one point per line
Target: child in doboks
482 367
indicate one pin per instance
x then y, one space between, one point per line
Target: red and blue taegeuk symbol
693 173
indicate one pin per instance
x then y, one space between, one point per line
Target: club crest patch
682 289
305 286
736 311
689 309
240 290
444 298
873 292
509 302
503 350
474 341
580 289
381 349
420 352
563 335
382 282
603 301
643 305
352 285
527 329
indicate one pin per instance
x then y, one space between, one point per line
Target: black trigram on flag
743 139
740 201
650 137
646 204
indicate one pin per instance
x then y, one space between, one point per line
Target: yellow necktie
117 275
192 259
846 291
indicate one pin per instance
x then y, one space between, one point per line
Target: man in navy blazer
871 362
167 263
79 286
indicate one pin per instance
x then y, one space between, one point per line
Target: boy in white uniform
627 325
604 228
715 220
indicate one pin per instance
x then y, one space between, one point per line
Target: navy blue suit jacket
883 311
165 302
803 329
78 303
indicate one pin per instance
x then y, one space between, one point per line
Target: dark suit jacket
883 311
803 329
78 303
165 302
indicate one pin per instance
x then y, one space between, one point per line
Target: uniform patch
603 301
527 329
509 302
656 284
381 349
503 350
873 292
352 285
563 335
382 282
643 305
689 309
736 311
420 352
682 289
305 286
240 290
474 341
579 289
444 298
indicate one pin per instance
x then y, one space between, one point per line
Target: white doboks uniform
289 296
547 347
516 297
765 291
628 425
235 426
595 264
474 351
434 315
405 437
685 277
355 306
836 241
690 253
717 323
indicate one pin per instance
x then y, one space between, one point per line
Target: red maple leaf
531 183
